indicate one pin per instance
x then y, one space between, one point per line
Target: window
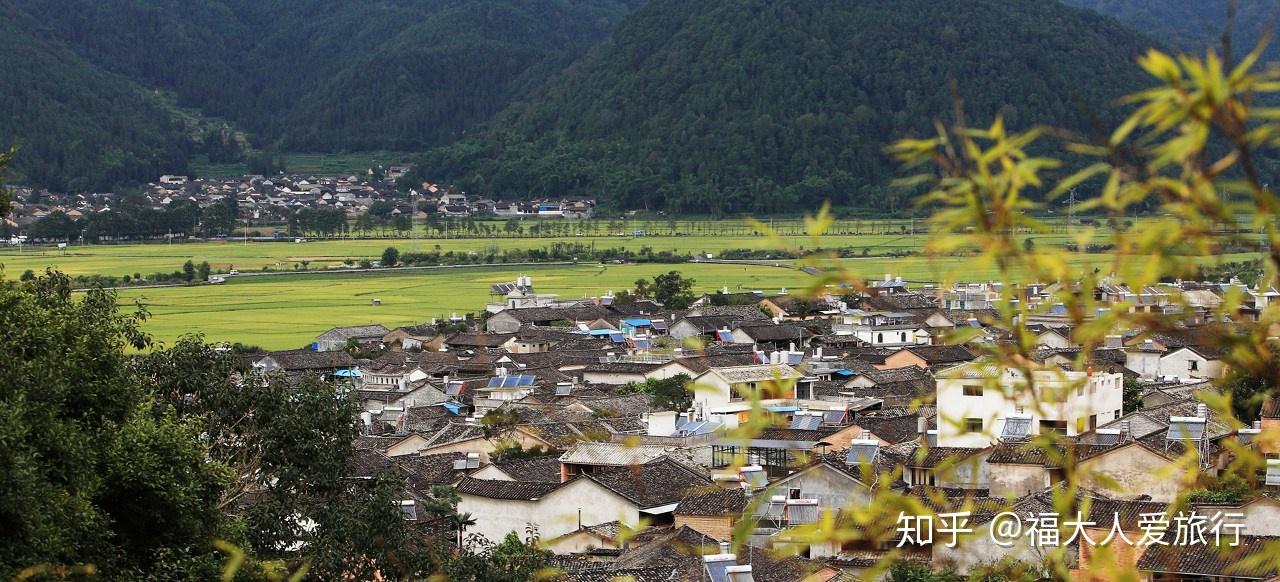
1193 366
973 425
793 493
973 390
880 338
904 337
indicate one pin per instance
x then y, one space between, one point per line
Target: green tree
667 394
96 471
390 257
188 271
202 272
1132 395
672 290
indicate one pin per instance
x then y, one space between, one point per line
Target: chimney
724 547
922 425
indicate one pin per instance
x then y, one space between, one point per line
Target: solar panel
460 465
618 338
802 513
1107 436
1185 428
861 451
564 389
806 421
642 343
1273 471
1016 428
724 335
834 417
409 510
660 325
454 389
496 381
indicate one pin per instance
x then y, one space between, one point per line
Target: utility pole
1071 210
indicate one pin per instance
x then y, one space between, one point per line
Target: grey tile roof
1211 560
612 454
507 490
545 469
720 501
653 484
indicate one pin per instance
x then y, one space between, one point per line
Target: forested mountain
77 126
1195 25
336 75
763 105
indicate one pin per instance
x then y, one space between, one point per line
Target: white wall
555 514
1069 396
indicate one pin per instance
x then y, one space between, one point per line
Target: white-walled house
1149 361
1188 362
723 385
979 402
623 494
502 507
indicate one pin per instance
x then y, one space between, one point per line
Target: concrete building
980 404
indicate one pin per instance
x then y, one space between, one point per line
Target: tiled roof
1211 560
358 331
508 490
658 483
942 354
759 373
929 457
545 469
718 502
309 359
611 454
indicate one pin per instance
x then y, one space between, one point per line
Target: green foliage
671 289
76 126
693 107
390 256
1248 390
667 394
1132 395
1193 26
392 75
96 471
1228 489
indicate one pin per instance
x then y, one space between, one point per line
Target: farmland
288 311
294 296
320 254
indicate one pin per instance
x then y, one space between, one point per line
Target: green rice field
289 311
127 259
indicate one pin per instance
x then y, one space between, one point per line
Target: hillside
756 105
1194 25
77 127
335 75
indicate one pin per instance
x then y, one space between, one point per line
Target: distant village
274 198
609 426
